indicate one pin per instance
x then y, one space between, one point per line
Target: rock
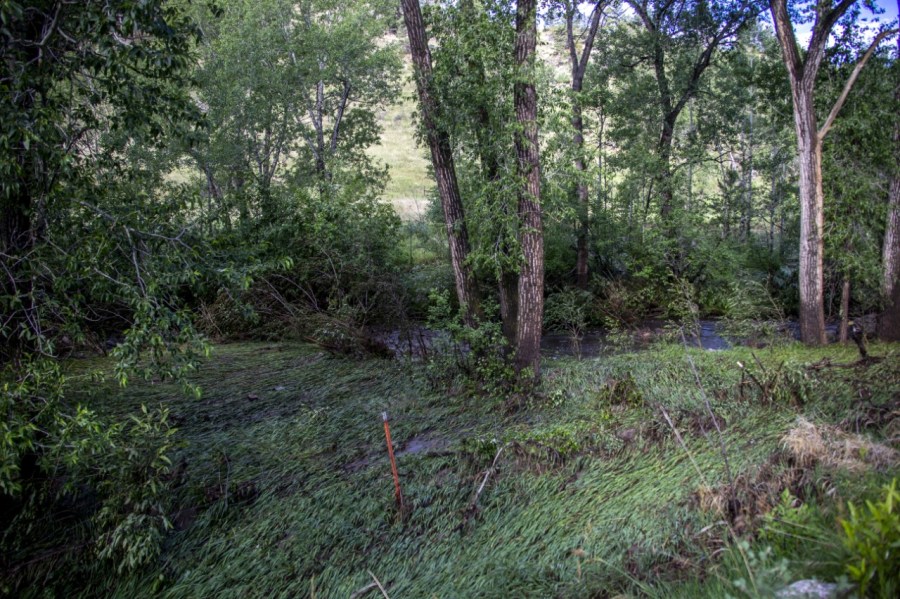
252 396
810 589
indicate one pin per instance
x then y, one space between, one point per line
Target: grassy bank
287 492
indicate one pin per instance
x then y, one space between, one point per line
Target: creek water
418 341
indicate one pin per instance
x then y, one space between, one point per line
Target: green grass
410 184
611 517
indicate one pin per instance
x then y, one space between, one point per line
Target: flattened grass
619 514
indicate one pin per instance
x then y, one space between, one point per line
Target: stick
380 588
362 591
390 446
487 475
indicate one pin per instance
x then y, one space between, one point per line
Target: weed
872 536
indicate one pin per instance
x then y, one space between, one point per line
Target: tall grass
288 491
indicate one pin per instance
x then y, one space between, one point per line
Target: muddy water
420 341
596 342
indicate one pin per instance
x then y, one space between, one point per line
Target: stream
418 341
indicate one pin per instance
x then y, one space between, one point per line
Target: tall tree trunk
509 306
802 71
579 67
584 210
889 321
748 224
442 161
664 181
812 223
531 237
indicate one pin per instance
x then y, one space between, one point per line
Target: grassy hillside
614 482
409 185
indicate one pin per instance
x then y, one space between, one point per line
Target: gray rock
810 589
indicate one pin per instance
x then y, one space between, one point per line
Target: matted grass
615 513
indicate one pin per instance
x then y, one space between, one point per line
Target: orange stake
387 433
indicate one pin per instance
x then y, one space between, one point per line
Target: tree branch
853 76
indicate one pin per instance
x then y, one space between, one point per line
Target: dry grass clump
812 444
806 446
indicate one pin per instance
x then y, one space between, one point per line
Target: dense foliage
174 173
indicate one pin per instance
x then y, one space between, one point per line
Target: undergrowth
623 476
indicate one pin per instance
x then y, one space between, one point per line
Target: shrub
872 536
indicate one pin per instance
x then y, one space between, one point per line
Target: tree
889 322
90 237
442 161
474 68
579 62
802 72
531 240
698 28
292 88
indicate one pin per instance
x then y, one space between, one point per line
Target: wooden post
387 434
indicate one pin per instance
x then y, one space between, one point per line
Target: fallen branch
472 508
360 592
487 475
380 588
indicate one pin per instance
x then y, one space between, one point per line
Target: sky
890 14
803 31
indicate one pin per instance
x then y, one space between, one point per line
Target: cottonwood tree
578 62
284 79
681 41
889 322
87 86
802 71
531 238
442 160
474 70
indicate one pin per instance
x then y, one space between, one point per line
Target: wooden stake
387 434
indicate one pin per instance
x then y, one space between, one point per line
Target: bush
872 536
477 357
568 311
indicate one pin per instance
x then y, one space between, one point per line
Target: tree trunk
584 225
531 238
664 174
442 161
802 70
845 310
889 320
509 306
579 66
812 223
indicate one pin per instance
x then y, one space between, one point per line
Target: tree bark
531 239
812 223
442 161
802 71
579 67
845 310
889 320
